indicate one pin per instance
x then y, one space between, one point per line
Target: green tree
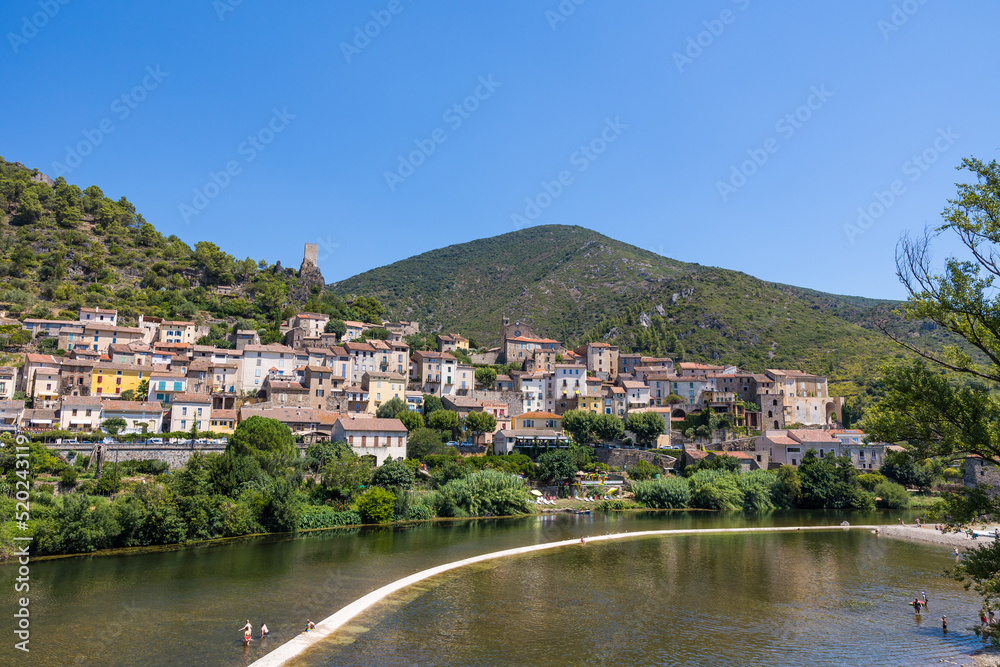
376 505
558 465
267 440
142 390
393 475
114 426
423 442
431 404
128 395
336 327
579 424
900 467
486 376
447 421
647 426
346 475
608 428
479 423
391 408
411 420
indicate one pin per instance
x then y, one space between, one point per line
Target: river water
825 598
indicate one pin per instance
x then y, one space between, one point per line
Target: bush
376 505
617 504
870 480
68 477
891 496
715 490
419 513
642 470
485 493
664 493
393 474
315 516
759 488
951 473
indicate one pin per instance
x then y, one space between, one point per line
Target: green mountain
63 247
576 285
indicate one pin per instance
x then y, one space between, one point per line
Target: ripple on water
791 599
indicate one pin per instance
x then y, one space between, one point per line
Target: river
794 599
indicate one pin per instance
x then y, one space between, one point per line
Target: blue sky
733 133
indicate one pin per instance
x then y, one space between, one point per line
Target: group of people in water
921 602
247 630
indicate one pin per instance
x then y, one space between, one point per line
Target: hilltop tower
309 273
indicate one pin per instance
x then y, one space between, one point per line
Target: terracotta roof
224 414
371 424
291 415
190 397
69 401
12 405
132 406
270 347
538 415
812 435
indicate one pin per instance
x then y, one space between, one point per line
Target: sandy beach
928 533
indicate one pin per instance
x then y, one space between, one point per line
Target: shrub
68 477
951 473
759 489
715 490
891 496
617 504
314 516
485 493
870 480
376 505
664 493
642 470
419 513
393 474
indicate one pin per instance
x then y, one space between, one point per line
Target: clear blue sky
884 88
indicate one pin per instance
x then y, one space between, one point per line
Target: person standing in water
247 636
944 624
263 630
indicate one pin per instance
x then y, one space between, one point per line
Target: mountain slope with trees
576 285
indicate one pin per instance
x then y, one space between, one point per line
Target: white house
190 410
140 416
382 438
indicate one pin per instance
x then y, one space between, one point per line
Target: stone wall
175 455
979 471
513 399
626 458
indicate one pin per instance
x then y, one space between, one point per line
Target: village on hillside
154 378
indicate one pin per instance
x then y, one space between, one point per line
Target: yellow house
538 420
592 404
223 422
382 388
110 379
